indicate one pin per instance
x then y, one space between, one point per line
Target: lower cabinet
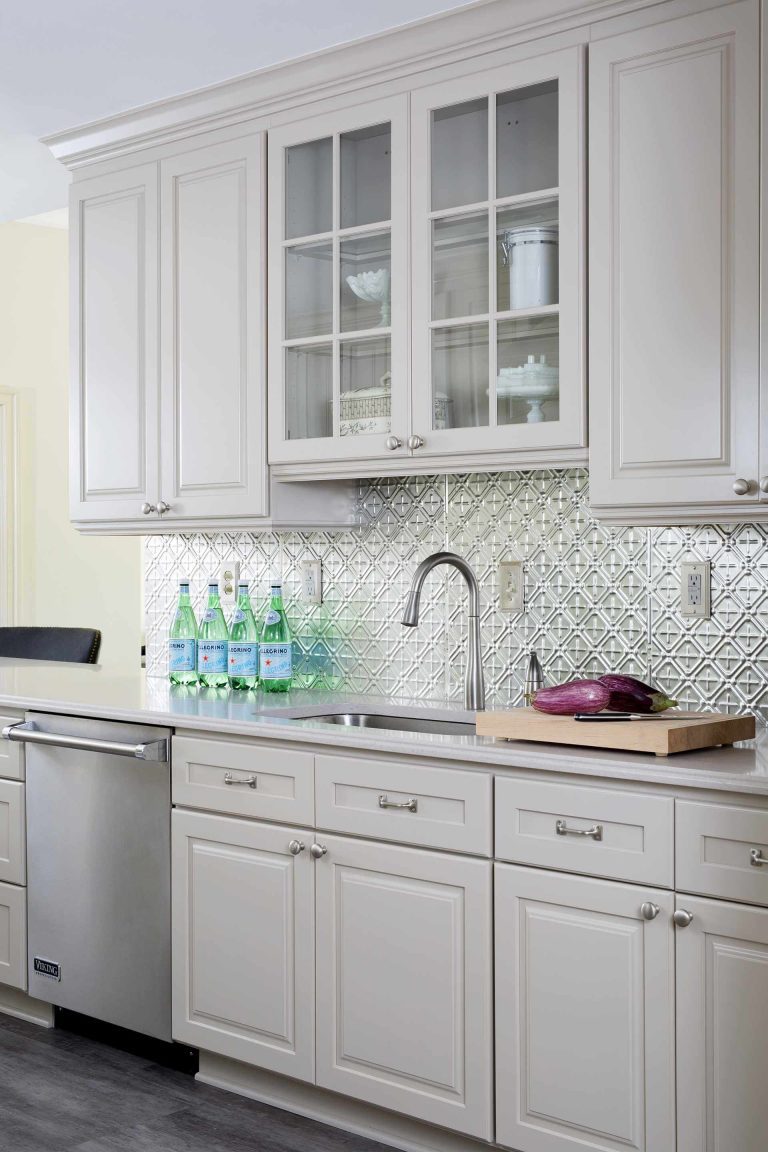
584 1014
13 936
722 1027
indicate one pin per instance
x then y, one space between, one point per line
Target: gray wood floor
60 1092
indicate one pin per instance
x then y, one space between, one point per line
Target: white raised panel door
404 981
584 1014
243 941
114 334
213 332
673 270
722 1027
498 233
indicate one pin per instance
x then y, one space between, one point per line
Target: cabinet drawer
414 804
546 824
11 755
13 936
281 781
714 851
13 863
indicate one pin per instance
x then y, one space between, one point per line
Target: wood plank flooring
60 1092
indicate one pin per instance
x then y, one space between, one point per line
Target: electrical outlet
695 589
511 586
312 581
229 574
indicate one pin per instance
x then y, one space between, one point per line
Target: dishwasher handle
29 733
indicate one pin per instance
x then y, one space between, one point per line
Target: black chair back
75 645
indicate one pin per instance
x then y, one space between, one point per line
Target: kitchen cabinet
674 123
243 941
584 1013
722 1026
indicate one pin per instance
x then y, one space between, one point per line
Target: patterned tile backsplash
597 598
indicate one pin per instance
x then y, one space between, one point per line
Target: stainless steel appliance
98 868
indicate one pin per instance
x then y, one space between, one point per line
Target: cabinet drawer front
13 868
13 936
433 807
714 847
11 755
548 824
268 782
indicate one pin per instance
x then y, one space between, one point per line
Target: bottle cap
184 580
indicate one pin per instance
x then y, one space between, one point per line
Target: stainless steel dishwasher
98 868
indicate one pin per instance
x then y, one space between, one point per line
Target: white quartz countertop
85 690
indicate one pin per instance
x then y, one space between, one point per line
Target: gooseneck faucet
474 688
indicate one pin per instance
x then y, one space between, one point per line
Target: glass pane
526 139
528 383
366 164
308 188
366 387
460 376
460 266
527 256
364 284
460 154
309 392
308 290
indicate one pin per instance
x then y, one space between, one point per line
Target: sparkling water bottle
275 649
212 639
182 640
243 643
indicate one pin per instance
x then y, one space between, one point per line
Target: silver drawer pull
594 833
249 780
756 858
410 805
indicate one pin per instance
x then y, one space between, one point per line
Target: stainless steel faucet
474 688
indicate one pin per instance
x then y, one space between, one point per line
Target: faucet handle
534 678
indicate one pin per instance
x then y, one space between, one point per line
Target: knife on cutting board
623 716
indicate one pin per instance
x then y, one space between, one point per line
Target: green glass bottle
212 639
243 648
275 648
182 640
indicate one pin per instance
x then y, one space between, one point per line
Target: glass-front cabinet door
338 359
498 266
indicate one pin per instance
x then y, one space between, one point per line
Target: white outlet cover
312 581
511 586
695 579
229 574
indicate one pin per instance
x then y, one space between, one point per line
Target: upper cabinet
674 127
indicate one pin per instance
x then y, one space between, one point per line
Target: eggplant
576 696
626 684
630 695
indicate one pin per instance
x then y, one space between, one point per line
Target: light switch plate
511 586
695 589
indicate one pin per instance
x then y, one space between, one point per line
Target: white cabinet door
114 286
213 332
584 1014
673 265
13 936
722 1027
498 205
243 941
404 981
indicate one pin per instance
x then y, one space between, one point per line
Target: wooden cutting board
662 735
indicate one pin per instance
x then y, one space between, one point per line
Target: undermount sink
395 723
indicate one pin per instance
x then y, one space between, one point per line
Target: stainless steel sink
395 723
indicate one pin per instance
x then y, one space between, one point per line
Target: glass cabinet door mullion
540 195
336 388
492 257
458 210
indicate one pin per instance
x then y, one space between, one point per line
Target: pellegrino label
181 655
212 656
243 658
275 662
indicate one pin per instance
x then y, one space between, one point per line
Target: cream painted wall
61 577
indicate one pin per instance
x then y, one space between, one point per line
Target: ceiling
63 64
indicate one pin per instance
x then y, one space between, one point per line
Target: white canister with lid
532 255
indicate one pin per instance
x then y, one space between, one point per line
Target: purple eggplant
630 695
576 696
618 683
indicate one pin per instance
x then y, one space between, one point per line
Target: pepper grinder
534 679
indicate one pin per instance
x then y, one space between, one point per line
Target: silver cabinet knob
649 910
764 483
295 847
756 858
163 507
681 918
393 443
147 508
317 851
741 486
415 442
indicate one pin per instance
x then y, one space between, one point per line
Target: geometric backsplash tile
597 598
